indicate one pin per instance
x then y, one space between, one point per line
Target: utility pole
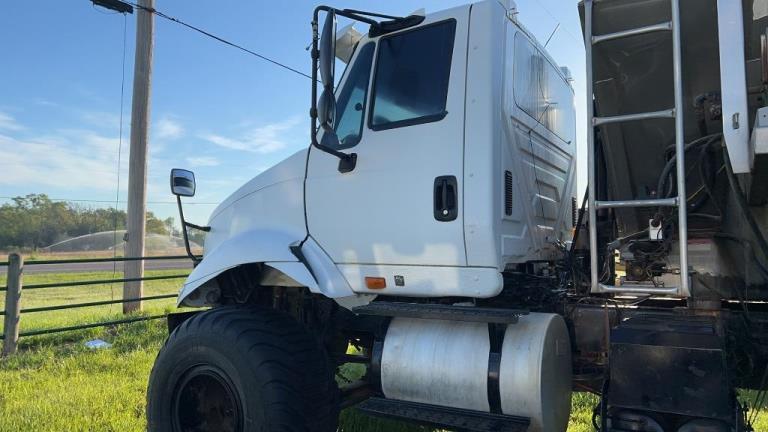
137 170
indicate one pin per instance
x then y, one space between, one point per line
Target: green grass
56 384
61 386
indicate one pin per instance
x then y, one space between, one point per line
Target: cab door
400 108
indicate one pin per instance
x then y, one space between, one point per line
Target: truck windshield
350 103
411 79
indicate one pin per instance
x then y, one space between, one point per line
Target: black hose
666 172
743 205
697 199
705 182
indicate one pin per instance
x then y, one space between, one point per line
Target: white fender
271 248
253 246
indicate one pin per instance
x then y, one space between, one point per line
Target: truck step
441 312
443 417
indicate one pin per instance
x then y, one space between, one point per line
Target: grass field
59 296
56 384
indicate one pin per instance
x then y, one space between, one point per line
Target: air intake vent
508 193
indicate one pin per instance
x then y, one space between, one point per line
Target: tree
155 225
169 225
34 221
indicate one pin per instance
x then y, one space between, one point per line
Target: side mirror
183 185
324 107
328 50
182 182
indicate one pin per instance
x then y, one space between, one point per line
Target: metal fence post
12 304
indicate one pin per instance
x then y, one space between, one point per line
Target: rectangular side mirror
182 182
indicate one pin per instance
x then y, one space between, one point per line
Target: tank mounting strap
443 417
441 312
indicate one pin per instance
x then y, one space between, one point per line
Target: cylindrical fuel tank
436 362
447 363
535 375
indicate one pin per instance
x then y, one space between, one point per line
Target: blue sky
225 114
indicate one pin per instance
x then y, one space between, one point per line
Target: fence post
12 304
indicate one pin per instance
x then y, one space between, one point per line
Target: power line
220 39
541 5
119 154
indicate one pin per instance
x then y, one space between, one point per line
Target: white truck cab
463 133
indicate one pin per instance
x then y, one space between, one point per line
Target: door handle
446 207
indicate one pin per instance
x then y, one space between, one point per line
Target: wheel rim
205 400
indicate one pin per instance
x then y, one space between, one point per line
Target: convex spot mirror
328 50
182 182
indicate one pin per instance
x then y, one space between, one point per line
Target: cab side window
350 102
411 78
541 92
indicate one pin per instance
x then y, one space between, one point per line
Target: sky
216 110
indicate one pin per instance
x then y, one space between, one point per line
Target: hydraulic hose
665 173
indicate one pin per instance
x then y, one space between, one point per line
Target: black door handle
446 206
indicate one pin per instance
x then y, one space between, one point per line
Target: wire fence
14 288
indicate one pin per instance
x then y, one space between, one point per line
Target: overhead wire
218 38
565 29
119 155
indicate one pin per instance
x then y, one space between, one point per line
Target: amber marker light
375 282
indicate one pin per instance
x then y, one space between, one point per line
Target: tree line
35 221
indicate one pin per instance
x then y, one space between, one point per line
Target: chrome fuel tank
437 362
446 363
535 374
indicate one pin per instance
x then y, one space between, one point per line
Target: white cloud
76 159
202 161
9 123
262 139
167 128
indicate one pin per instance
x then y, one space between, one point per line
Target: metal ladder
675 113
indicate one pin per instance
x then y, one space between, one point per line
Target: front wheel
241 369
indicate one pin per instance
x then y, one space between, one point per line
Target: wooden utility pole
137 170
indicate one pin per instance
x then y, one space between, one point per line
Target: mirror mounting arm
184 224
198 227
347 161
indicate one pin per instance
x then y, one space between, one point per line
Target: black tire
242 369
